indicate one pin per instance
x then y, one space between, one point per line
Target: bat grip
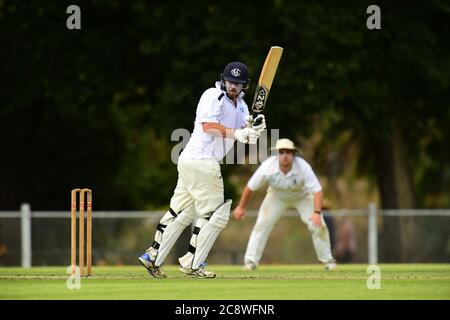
256 121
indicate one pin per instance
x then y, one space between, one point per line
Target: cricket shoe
330 265
201 272
148 264
249 266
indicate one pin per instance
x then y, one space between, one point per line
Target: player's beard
233 93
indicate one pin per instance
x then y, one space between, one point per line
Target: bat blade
266 78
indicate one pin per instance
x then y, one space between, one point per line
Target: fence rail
25 215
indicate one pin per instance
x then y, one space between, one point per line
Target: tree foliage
96 106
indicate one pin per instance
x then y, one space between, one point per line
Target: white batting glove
246 135
248 121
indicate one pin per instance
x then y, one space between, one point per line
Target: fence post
25 234
372 233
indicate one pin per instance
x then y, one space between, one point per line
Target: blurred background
96 108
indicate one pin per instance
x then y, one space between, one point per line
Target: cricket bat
266 78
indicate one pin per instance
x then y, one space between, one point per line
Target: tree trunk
388 193
400 234
410 229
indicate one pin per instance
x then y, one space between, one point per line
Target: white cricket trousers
199 182
270 211
198 194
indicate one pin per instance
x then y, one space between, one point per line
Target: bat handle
256 120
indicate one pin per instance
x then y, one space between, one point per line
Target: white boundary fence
25 214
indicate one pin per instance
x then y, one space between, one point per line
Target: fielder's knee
261 226
317 230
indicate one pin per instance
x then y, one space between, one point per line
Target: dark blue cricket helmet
236 72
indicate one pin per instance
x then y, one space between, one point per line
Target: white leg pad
168 231
203 240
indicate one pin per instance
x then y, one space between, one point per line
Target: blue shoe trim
145 256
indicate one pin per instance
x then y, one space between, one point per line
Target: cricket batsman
292 184
222 117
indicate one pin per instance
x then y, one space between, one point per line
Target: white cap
285 144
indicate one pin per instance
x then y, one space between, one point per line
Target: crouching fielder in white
292 184
221 118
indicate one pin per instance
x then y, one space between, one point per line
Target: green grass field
398 281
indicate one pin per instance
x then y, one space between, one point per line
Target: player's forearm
216 129
318 199
245 196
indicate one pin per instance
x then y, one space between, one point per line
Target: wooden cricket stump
81 231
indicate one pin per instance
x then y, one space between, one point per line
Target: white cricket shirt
298 182
214 106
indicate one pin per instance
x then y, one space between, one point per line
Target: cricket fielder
292 184
222 117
